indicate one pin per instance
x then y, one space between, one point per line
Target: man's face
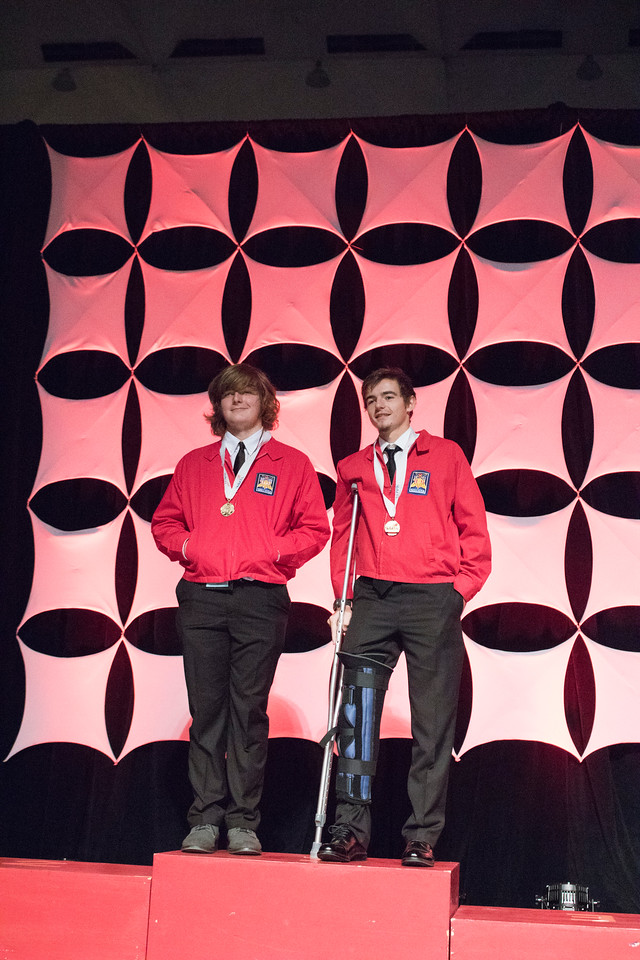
242 413
388 410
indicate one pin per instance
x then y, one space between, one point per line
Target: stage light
566 896
318 77
63 81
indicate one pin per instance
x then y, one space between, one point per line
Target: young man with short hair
421 551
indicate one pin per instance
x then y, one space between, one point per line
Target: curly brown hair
242 378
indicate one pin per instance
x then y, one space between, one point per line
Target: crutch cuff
329 735
338 601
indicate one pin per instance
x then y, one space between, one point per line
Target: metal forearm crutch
335 685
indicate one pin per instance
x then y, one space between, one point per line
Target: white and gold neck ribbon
230 489
408 439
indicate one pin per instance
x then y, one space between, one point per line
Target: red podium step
492 933
225 907
61 910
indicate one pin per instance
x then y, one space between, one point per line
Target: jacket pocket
426 550
191 549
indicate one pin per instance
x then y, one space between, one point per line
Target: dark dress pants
423 620
231 640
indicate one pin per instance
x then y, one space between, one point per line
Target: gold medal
392 528
227 509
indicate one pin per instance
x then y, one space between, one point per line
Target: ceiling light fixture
63 81
589 69
318 77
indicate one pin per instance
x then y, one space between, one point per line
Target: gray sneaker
201 839
244 841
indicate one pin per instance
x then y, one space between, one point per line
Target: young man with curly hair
241 515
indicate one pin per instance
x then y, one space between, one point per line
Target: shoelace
339 833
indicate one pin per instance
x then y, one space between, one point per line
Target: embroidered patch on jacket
419 482
266 483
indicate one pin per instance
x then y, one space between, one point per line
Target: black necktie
240 458
391 463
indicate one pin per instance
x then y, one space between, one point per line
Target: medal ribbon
401 472
231 488
381 479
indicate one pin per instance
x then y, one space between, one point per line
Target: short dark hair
388 373
242 378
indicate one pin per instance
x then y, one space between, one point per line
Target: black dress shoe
343 848
418 853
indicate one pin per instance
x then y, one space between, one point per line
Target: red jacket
279 523
443 534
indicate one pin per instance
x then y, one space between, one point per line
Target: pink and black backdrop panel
498 261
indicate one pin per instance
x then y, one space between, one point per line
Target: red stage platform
280 907
284 906
494 933
59 910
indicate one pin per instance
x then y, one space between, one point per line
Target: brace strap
358 678
362 767
355 660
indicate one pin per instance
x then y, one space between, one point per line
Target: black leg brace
364 685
